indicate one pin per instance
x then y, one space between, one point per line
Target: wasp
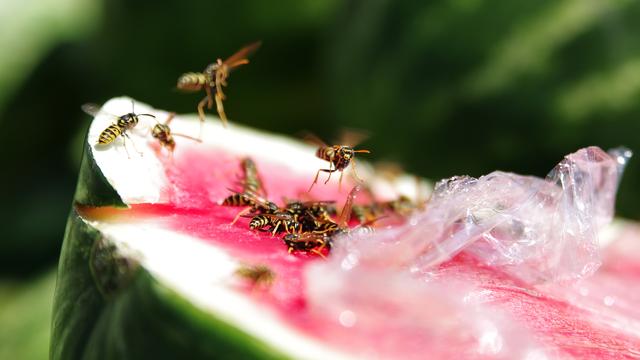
339 158
163 133
364 213
324 231
280 220
321 210
258 275
252 182
120 127
402 205
213 78
251 200
311 214
239 199
253 203
310 242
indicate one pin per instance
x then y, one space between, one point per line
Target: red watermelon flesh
457 308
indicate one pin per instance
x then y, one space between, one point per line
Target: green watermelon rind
144 319
93 189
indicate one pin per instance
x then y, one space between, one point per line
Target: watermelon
153 267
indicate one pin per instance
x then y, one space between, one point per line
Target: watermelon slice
152 267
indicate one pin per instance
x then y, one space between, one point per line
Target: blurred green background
445 87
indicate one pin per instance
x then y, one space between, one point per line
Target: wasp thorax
211 68
128 120
270 206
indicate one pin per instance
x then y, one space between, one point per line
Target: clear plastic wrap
521 239
611 296
537 229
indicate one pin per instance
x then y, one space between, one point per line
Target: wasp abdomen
192 81
325 153
259 222
237 199
108 135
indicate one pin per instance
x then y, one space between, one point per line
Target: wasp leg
221 76
124 142
330 172
355 174
315 180
275 228
318 253
248 209
221 79
201 115
220 109
133 143
209 92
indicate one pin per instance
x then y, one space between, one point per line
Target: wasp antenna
133 107
153 116
362 151
187 137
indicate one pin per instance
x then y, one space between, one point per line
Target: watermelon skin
93 189
137 318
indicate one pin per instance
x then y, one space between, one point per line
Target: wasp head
345 152
160 131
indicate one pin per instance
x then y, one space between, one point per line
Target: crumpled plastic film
505 296
537 229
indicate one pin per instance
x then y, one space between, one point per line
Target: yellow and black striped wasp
213 78
324 231
251 202
163 133
260 276
119 127
279 221
338 156
253 194
252 181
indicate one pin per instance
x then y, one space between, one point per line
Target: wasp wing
241 56
95 110
91 109
312 139
353 137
